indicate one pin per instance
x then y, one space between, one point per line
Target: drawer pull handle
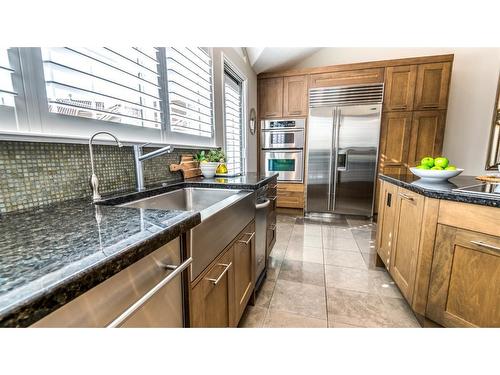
398 107
272 198
273 186
407 197
227 266
272 227
430 106
146 297
249 238
486 245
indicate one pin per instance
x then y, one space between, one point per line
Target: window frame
226 62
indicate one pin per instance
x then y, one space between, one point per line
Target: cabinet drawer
102 304
465 279
351 77
470 216
244 268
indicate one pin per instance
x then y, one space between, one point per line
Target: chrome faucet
94 182
139 158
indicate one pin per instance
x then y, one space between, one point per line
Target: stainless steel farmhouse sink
224 214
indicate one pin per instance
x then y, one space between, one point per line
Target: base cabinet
290 196
465 279
244 268
387 215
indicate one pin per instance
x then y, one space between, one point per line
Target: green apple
427 161
422 166
441 162
451 168
436 168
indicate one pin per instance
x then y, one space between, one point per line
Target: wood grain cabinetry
271 97
431 91
350 77
427 134
465 279
213 297
404 253
244 273
395 142
399 88
295 96
387 213
290 196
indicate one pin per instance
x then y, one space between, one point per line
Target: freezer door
357 151
319 159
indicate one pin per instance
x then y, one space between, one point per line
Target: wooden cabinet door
271 97
290 196
464 288
213 296
349 77
431 91
399 87
295 96
244 272
395 141
427 133
385 226
408 224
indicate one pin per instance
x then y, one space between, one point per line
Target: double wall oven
282 148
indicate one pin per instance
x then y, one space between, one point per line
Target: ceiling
267 59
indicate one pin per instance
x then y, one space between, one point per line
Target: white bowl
435 175
208 169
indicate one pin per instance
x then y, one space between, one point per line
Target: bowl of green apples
435 169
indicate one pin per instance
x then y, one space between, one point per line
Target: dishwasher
261 209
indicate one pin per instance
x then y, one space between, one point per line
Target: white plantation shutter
190 93
7 92
109 84
233 115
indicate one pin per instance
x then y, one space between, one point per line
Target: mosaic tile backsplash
33 174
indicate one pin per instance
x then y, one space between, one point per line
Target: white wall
238 59
472 94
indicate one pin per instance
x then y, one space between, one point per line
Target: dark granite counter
53 254
444 190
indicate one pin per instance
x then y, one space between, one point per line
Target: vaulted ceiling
267 59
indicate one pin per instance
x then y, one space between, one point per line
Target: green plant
210 156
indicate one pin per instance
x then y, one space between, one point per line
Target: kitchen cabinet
295 96
431 91
387 215
244 272
427 134
404 252
290 196
271 98
395 141
399 87
465 279
213 297
347 77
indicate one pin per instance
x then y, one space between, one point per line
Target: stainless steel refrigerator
342 149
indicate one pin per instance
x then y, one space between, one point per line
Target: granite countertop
443 190
53 254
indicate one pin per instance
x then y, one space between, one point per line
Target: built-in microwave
279 134
288 163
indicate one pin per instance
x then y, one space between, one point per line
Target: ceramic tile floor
322 274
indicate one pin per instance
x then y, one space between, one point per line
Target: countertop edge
446 195
28 311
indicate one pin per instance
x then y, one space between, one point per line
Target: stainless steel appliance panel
261 209
288 163
320 159
289 124
278 139
358 130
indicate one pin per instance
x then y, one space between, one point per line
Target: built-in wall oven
282 148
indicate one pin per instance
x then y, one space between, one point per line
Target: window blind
108 84
190 94
233 115
7 92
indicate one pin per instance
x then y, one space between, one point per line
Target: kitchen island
442 248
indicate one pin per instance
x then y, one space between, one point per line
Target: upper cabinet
400 87
427 133
431 91
295 96
348 77
271 97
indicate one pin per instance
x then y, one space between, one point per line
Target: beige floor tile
302 272
336 232
333 324
303 299
307 230
283 319
338 243
344 259
349 278
265 293
384 285
371 261
278 252
285 219
304 254
273 267
399 313
298 240
253 317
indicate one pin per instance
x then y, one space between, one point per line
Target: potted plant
209 161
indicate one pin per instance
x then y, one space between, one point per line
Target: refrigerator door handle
335 150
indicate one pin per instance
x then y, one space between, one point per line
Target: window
7 92
233 121
108 84
190 91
